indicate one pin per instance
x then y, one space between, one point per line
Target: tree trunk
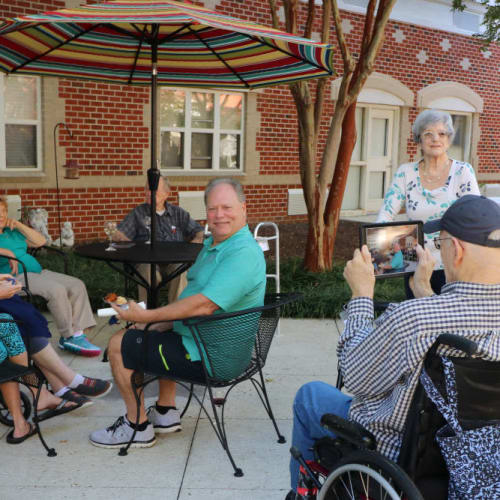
336 195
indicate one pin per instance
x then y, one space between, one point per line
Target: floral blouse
421 204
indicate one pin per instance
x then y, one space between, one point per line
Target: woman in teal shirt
66 296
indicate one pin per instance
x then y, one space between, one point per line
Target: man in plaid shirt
173 223
381 360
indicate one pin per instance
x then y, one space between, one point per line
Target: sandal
74 397
60 409
13 440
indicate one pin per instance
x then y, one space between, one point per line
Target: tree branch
274 14
321 83
311 11
366 64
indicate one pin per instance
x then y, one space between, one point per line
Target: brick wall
111 136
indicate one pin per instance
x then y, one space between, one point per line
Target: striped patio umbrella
157 42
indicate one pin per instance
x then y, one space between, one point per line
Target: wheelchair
348 466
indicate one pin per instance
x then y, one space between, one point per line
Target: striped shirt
381 361
174 224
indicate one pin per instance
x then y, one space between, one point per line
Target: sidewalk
187 465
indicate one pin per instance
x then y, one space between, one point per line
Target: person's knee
308 393
115 344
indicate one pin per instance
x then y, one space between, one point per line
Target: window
460 147
20 124
201 131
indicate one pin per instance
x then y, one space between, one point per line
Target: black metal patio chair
234 348
31 377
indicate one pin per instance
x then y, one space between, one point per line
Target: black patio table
129 254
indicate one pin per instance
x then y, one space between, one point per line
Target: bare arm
198 237
420 282
119 236
12 263
33 237
196 305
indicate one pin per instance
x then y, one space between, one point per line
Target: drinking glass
110 230
147 223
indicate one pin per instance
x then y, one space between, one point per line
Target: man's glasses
437 242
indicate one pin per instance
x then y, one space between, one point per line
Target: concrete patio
187 465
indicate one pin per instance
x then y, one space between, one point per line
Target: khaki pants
66 298
175 286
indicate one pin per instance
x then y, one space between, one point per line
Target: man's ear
459 250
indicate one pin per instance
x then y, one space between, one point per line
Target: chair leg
51 452
186 406
267 405
220 430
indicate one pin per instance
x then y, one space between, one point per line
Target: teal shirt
397 261
15 241
231 274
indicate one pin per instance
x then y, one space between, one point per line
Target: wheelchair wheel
5 417
367 475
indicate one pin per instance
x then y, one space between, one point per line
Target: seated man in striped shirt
381 361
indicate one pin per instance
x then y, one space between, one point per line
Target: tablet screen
392 246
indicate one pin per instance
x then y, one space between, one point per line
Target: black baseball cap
471 218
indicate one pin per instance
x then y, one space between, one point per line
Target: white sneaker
119 434
164 424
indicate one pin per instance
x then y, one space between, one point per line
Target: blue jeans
311 402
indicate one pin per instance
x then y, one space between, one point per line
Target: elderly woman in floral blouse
428 186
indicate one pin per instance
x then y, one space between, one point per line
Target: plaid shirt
175 224
381 361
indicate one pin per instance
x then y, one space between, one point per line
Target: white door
372 159
379 156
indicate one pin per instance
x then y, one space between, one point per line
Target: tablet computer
392 246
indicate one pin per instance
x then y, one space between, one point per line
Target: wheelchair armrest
463 344
349 430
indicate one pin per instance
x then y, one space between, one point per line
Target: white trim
452 103
380 88
464 96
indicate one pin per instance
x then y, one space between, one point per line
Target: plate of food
113 298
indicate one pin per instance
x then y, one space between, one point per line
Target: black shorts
166 355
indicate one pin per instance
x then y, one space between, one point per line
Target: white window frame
38 127
188 130
468 131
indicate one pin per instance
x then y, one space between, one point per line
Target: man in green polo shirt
228 275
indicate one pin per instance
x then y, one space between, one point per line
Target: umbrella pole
153 172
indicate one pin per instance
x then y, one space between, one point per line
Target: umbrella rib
274 47
235 73
58 46
132 71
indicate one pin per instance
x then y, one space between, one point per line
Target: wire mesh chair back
227 344
238 343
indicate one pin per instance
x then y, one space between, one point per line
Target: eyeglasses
437 242
429 136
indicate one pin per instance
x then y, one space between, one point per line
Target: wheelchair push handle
463 344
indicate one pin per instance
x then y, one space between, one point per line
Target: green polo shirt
231 274
15 241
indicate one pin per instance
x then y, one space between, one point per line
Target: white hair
430 117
